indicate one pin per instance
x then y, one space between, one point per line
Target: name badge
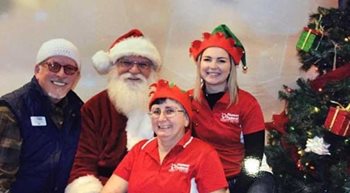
38 120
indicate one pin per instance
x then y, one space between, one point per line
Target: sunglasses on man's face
56 67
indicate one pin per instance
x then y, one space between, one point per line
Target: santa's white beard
129 95
131 98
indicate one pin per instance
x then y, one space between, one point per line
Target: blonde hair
232 85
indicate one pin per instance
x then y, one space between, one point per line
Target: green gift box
307 39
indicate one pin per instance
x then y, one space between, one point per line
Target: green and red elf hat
166 89
221 37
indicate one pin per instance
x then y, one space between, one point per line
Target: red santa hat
131 43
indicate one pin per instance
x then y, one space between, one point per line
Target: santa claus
116 118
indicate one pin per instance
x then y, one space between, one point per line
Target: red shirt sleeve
124 168
252 116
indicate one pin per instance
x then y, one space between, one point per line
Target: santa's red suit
109 129
103 143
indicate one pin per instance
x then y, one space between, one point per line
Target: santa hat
164 89
221 37
131 43
58 47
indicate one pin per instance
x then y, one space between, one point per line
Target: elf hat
221 37
58 47
164 89
131 43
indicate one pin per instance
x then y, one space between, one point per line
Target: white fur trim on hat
138 127
58 47
85 184
102 62
138 46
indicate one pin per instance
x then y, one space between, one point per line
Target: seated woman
173 160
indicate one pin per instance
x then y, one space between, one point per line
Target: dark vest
47 152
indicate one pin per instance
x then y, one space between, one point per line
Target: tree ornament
307 39
317 146
338 120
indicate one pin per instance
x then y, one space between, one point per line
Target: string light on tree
347 39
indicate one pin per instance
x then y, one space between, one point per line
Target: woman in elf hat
173 160
227 117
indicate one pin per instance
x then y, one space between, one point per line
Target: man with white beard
116 118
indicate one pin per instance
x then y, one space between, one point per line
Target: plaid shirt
10 148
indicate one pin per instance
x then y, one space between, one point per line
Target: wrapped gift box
307 39
338 121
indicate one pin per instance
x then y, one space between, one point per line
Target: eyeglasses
56 67
128 64
168 112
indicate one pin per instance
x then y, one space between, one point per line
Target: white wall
268 29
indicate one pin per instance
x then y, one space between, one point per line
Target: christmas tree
309 142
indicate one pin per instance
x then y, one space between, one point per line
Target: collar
37 87
225 99
152 144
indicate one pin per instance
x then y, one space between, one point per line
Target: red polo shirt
222 126
189 159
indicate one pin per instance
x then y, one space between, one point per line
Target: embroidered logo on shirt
229 117
179 167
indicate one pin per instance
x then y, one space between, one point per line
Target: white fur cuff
85 184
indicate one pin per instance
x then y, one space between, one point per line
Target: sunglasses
56 67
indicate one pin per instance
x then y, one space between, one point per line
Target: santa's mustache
128 76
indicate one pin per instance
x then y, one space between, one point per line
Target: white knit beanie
131 43
58 47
